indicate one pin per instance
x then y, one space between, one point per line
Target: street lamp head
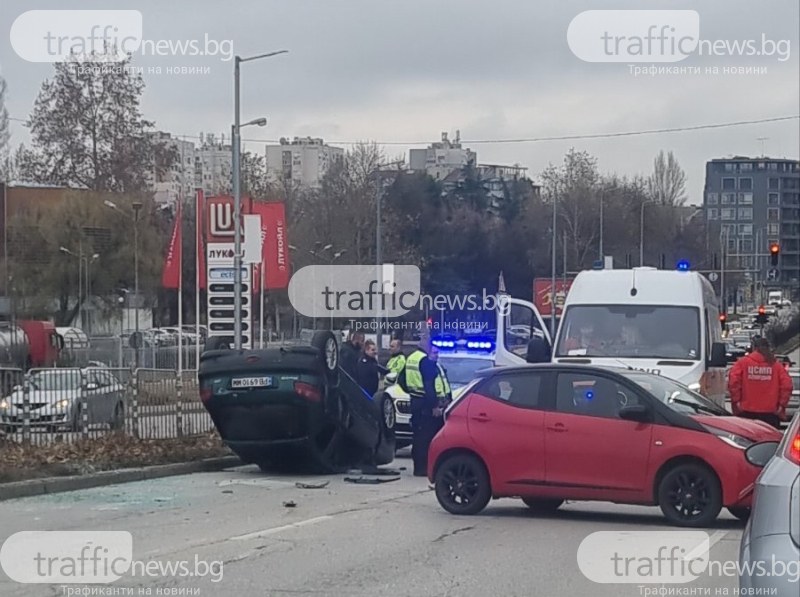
327 247
110 204
96 256
65 250
292 248
260 122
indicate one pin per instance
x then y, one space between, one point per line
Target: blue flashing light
683 265
479 345
443 343
589 394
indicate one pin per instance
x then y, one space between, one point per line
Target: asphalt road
344 539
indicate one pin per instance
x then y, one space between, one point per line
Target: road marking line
700 549
272 531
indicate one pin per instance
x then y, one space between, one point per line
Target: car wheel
325 342
690 495
118 418
542 505
462 485
742 513
388 412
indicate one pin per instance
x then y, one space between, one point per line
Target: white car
55 397
460 366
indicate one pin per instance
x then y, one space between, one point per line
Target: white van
664 322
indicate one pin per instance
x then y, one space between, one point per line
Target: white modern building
302 161
181 179
440 159
213 165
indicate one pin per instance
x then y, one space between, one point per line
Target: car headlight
736 441
61 404
694 387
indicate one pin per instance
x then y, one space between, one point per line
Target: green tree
44 279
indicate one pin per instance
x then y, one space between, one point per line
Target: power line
573 137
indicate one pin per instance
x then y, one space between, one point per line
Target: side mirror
761 453
391 378
636 412
719 355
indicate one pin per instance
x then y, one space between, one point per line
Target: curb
48 485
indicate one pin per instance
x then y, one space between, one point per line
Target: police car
461 360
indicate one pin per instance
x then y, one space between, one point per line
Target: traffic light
723 319
762 316
774 252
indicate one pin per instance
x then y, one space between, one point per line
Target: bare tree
87 131
4 133
667 184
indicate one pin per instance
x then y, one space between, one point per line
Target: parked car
55 397
794 400
549 433
293 408
772 534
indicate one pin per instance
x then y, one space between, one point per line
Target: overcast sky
404 71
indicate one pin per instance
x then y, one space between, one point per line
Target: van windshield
630 331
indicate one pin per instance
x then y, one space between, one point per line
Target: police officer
350 353
442 385
420 378
397 360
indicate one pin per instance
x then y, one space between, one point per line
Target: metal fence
70 403
113 351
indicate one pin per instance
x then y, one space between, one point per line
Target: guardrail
66 404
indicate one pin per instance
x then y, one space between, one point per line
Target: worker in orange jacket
760 386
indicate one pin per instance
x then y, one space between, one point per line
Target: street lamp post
641 233
136 207
378 240
553 272
79 257
237 193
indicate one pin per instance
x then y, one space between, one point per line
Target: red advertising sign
274 245
543 295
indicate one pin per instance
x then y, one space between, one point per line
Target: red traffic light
774 248
762 310
723 318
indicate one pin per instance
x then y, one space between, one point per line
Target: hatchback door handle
481 417
558 427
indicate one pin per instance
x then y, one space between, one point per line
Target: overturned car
293 409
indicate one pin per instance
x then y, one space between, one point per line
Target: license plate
251 382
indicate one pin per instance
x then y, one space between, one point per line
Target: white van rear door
517 321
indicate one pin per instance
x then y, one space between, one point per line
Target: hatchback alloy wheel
690 495
462 484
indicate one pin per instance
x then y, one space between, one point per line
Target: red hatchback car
549 433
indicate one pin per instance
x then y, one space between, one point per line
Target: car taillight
793 449
307 391
205 394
